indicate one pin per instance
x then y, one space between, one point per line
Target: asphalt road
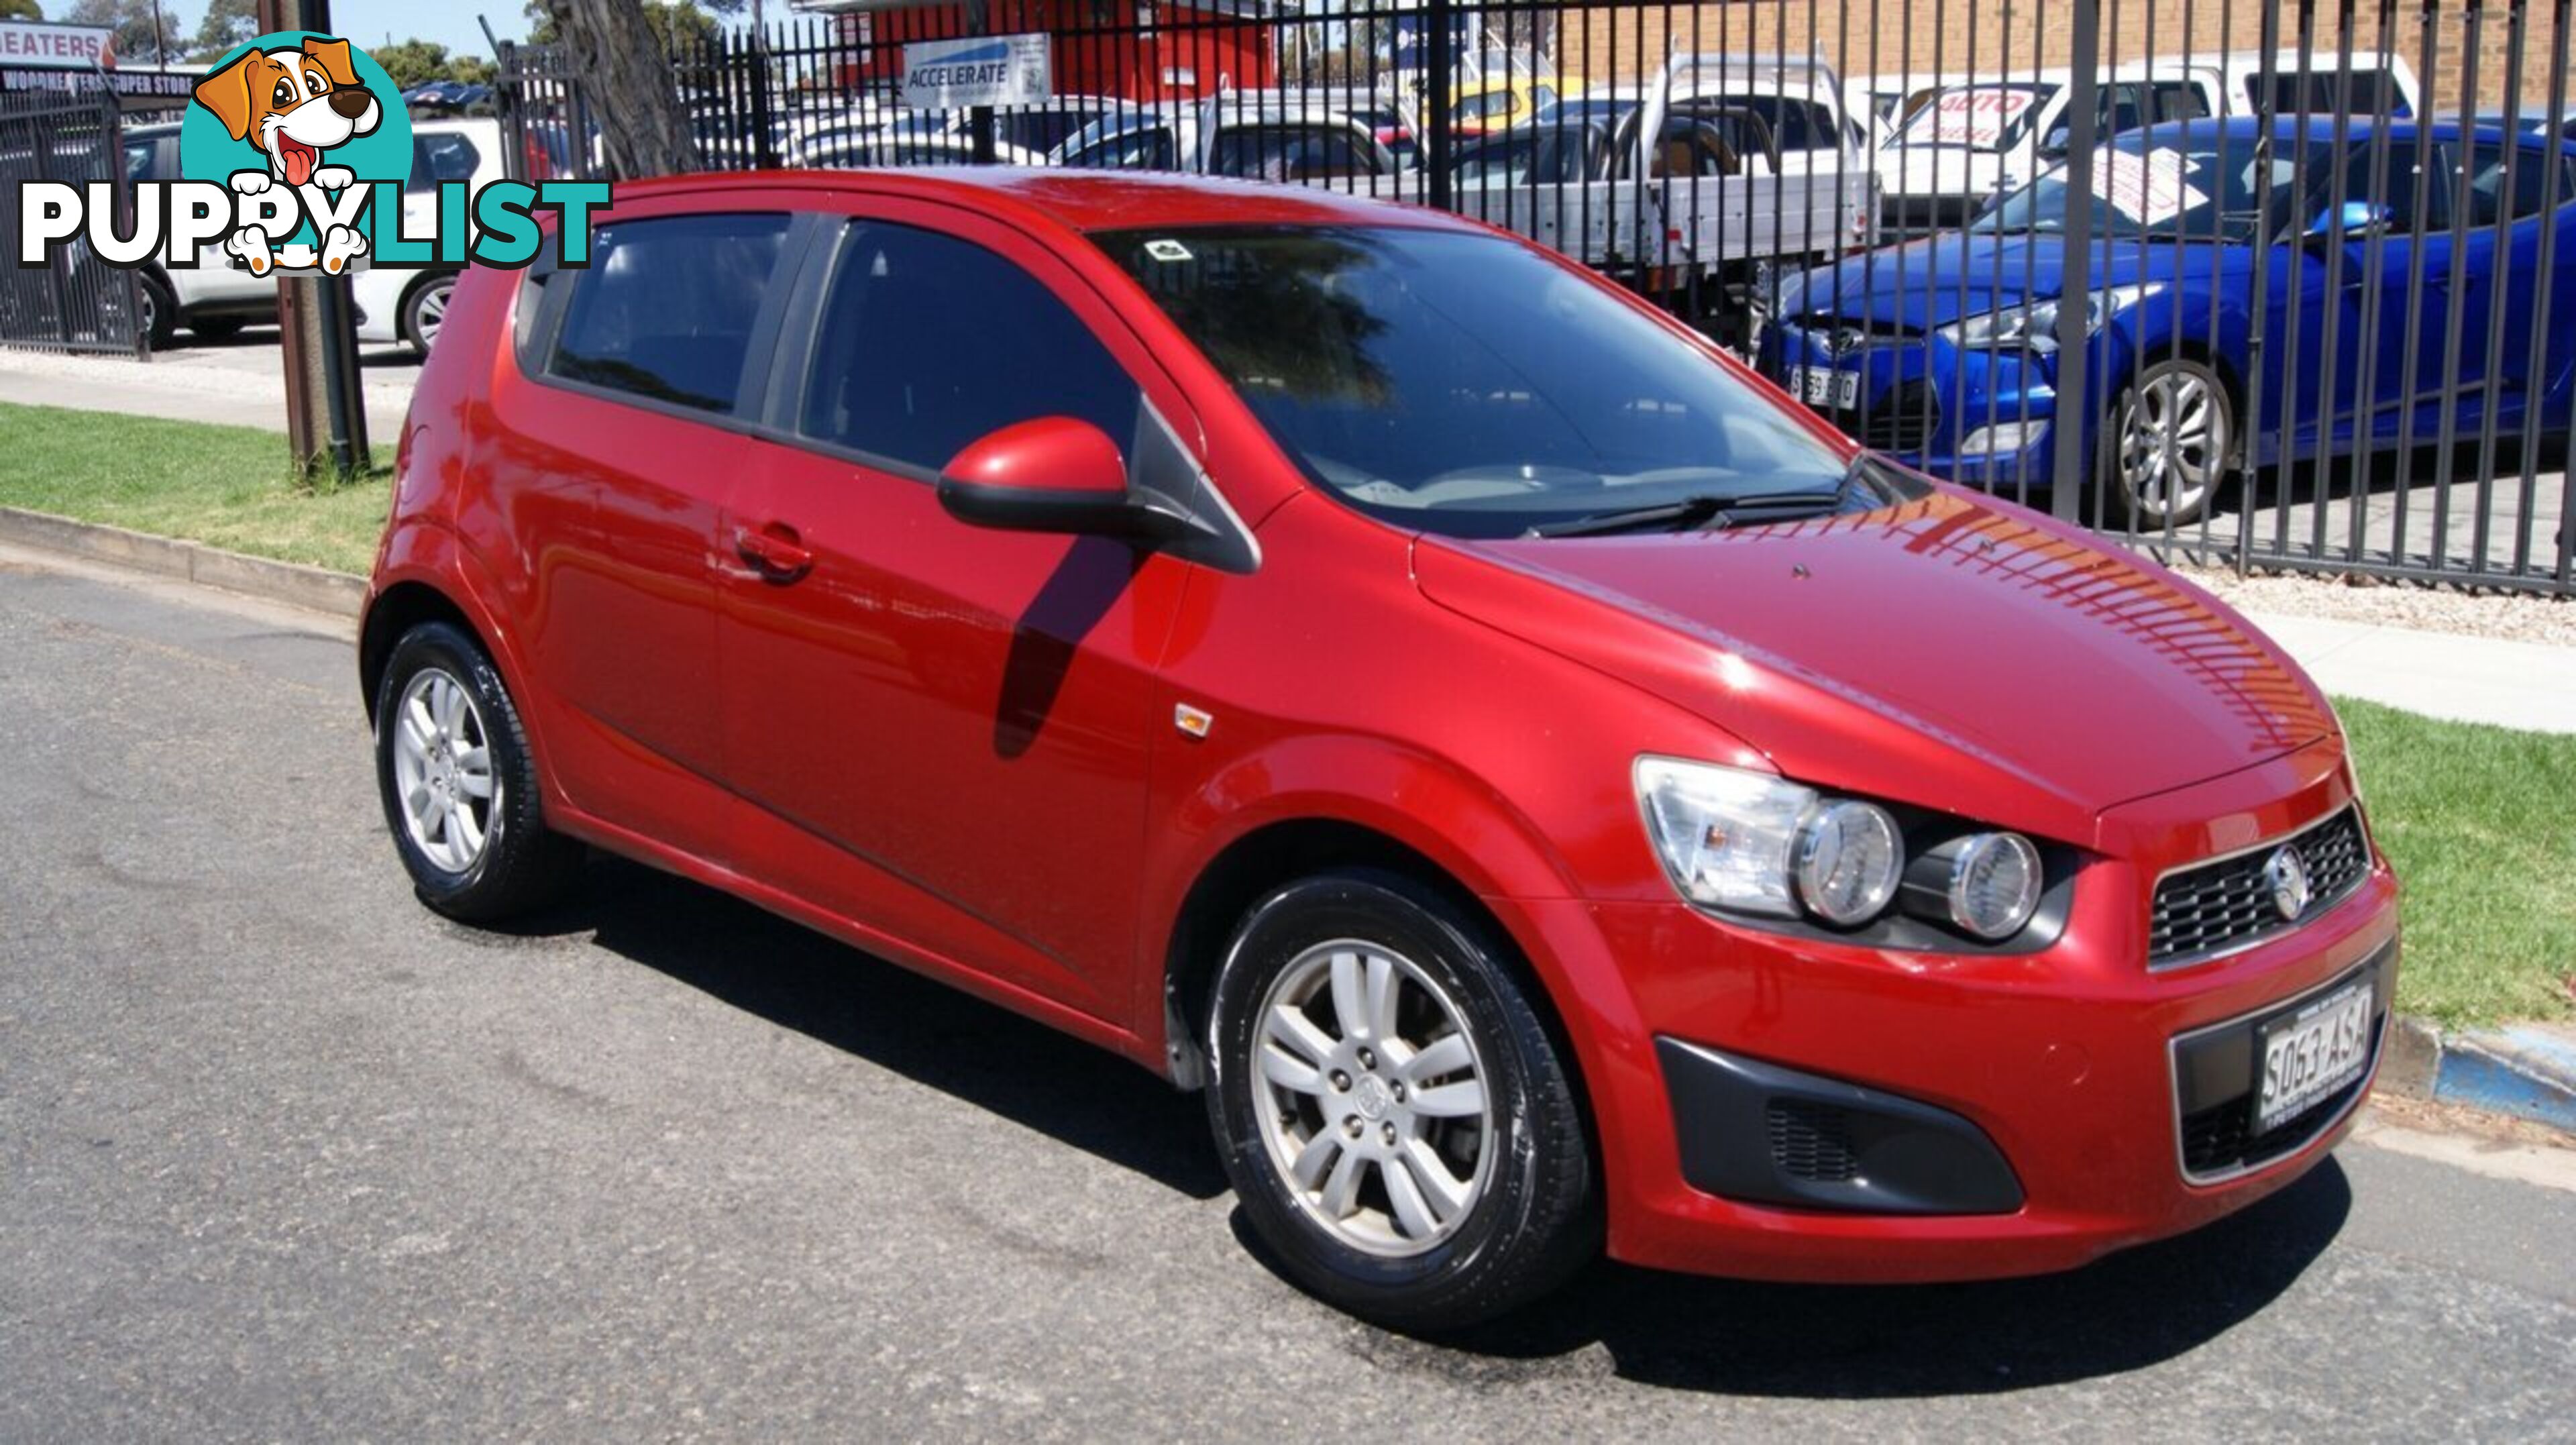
283 1156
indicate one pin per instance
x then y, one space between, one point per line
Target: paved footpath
240 381
2528 685
283 1156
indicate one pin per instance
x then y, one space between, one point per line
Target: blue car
1943 352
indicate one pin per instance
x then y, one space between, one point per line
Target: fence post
506 89
58 266
1439 65
2069 465
979 119
764 150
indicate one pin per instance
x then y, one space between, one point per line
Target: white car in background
406 303
215 298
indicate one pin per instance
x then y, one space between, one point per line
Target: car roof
2325 127
1079 200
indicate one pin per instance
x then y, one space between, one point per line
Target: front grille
1903 420
2216 906
2221 1139
1811 1141
1841 336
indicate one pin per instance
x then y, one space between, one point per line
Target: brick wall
1886 37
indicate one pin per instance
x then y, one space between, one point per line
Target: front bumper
2062 1061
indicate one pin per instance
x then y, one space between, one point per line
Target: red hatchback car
1547 790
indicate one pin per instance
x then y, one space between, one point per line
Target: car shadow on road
930 1033
1843 1342
2132 1310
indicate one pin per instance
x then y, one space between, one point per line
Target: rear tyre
460 784
1391 1109
2167 446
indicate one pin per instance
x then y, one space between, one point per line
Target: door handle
775 550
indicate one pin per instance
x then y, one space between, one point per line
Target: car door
2509 189
942 731
607 473
2381 298
2391 291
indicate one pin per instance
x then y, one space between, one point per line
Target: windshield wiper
1707 510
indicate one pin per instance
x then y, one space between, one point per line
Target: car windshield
2207 189
1463 384
1978 117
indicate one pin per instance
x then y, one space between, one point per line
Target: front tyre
1391 1109
2168 446
460 784
160 319
424 311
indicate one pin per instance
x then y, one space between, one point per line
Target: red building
1138 51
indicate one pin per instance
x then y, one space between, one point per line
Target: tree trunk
629 83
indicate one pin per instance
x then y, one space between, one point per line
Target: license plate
2312 1053
1824 386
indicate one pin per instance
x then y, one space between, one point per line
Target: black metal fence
75 302
2241 281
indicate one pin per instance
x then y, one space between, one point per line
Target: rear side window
2327 92
2498 191
665 310
928 343
443 156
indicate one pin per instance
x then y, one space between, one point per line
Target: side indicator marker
1191 721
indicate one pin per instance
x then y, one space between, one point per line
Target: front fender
1459 824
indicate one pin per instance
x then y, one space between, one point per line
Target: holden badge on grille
2287 875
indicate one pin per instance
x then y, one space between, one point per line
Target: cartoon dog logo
293 105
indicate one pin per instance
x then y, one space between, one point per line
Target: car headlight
1986 885
1850 857
1725 835
1744 842
2033 325
1753 843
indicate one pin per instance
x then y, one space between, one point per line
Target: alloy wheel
443 770
1371 1098
429 312
2173 440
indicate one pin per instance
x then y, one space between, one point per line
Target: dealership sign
33 42
988 70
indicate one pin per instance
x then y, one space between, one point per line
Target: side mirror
1051 474
2059 142
2353 220
1054 474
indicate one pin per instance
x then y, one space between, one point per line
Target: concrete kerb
2525 1070
316 589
